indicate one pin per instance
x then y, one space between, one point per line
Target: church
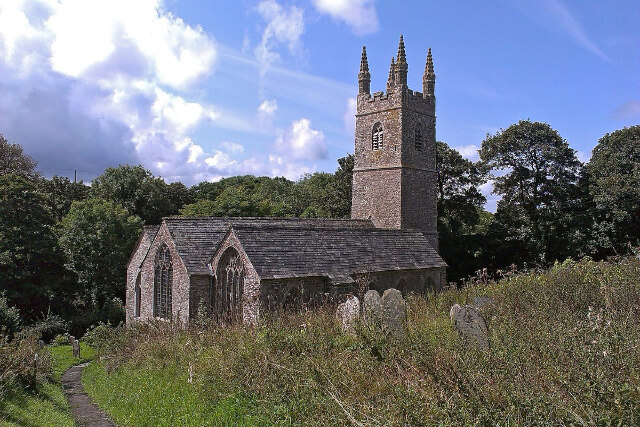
238 268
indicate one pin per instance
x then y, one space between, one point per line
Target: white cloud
469 152
571 25
267 109
300 142
96 33
232 147
349 117
284 25
360 15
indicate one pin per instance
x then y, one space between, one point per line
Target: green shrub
9 318
47 328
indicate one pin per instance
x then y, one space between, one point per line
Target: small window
137 293
377 137
162 281
417 137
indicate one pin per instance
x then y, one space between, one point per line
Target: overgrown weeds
564 349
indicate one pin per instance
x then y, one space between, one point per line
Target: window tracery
163 280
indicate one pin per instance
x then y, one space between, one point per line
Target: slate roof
198 238
280 252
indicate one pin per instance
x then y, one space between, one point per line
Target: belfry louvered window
162 283
417 137
377 137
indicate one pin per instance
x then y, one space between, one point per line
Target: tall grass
564 349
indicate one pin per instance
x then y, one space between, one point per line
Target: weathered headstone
76 348
348 313
372 308
41 344
71 339
472 327
455 308
394 312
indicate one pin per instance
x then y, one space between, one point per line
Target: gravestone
455 308
372 308
472 327
41 344
71 339
76 348
348 313
394 313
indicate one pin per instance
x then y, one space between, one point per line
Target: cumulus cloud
349 117
97 83
301 142
284 25
360 15
469 152
266 112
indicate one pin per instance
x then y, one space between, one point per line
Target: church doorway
230 286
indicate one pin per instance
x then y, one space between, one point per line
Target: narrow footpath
84 411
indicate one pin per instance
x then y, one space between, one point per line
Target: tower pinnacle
364 77
392 71
429 78
401 66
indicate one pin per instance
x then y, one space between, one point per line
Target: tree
61 192
340 188
137 190
14 161
614 185
460 209
540 193
97 237
31 268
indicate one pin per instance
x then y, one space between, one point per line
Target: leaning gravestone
76 348
394 312
348 313
472 327
372 308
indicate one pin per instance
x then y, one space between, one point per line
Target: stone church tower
394 176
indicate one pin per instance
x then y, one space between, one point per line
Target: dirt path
84 412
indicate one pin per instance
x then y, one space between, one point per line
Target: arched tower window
230 285
162 283
136 299
417 137
377 137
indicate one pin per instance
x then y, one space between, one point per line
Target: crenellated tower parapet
394 181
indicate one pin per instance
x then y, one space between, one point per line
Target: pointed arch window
137 295
417 138
230 285
162 283
377 137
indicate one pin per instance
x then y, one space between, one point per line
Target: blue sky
199 90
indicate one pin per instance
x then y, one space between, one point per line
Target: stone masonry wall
133 269
199 293
251 289
180 281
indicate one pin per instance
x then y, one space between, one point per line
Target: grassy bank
564 349
43 403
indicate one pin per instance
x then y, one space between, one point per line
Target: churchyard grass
564 349
42 402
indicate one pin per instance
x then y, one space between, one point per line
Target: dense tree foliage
614 174
97 237
538 181
14 161
61 192
139 192
31 268
460 211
